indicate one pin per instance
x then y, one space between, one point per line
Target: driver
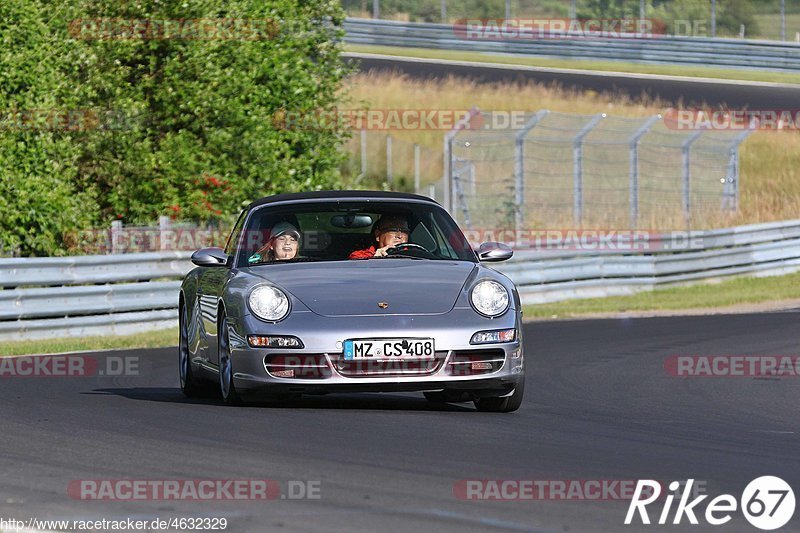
390 231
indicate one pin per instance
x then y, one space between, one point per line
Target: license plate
388 349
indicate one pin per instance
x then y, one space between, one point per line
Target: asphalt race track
672 89
599 406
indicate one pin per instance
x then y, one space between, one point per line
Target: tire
227 388
190 384
502 405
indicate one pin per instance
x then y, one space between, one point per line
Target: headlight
489 298
269 303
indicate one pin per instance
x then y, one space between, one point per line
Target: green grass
770 26
605 66
745 290
151 339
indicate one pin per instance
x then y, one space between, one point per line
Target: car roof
338 195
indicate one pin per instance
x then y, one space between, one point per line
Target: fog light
488 337
283 373
261 341
481 366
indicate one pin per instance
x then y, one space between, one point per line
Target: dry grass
769 161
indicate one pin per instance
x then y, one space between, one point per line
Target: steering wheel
400 248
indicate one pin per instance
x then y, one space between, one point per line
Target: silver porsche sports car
352 291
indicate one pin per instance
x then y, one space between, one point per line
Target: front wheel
502 405
227 388
190 385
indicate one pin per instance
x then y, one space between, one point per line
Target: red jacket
363 254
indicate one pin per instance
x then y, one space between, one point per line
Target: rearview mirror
351 220
210 257
491 252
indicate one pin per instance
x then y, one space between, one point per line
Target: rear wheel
190 385
502 405
227 388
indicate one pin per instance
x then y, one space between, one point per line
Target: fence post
444 11
730 187
713 18
519 168
473 185
577 168
686 148
389 173
416 168
634 168
164 225
363 153
447 178
376 9
116 232
783 20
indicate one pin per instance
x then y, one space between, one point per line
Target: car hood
355 288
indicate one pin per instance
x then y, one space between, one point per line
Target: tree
39 201
184 113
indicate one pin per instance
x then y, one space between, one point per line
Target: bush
189 124
39 200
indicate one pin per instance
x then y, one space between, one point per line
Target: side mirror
210 257
491 252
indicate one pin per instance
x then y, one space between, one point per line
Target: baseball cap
284 228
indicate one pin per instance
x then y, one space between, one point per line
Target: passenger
283 244
390 231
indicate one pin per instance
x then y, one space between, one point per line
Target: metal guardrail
759 249
95 295
756 54
74 270
89 295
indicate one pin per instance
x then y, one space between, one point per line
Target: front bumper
487 369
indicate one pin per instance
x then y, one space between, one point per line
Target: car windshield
344 230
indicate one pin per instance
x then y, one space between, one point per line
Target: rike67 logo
767 503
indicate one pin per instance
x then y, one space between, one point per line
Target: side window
230 248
